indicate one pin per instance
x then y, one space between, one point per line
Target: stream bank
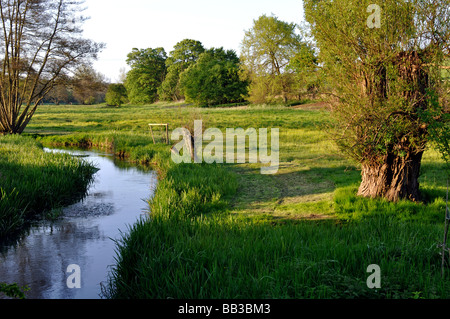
84 235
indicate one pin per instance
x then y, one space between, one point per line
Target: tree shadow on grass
297 192
433 174
292 193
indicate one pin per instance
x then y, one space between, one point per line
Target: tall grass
132 146
33 181
12 212
350 207
226 256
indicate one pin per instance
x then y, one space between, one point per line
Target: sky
126 24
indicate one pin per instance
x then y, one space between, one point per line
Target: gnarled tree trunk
396 175
396 178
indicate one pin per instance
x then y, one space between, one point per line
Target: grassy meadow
227 231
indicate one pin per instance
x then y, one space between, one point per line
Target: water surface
83 236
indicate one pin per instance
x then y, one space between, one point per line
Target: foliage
148 70
352 208
358 60
384 81
13 290
214 79
61 93
190 230
226 256
299 234
307 76
41 42
438 119
185 54
116 94
88 86
12 212
267 50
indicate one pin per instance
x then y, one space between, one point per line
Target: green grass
223 256
226 231
33 181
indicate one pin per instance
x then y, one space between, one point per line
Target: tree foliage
386 82
40 43
116 95
306 74
60 93
148 70
88 86
267 50
214 79
185 54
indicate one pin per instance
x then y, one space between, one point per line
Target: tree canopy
214 79
276 64
148 70
88 86
116 94
185 54
267 50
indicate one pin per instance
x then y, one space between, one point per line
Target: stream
83 236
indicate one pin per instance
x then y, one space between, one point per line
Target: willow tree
40 43
383 62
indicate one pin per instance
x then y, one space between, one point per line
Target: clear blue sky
126 24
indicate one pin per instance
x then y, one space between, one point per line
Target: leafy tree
116 94
40 42
185 54
88 86
384 65
267 49
307 77
60 93
148 70
214 79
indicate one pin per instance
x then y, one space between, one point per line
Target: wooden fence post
167 131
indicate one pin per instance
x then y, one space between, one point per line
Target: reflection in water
84 236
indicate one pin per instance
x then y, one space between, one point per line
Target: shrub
116 95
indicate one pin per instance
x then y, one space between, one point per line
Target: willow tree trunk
397 178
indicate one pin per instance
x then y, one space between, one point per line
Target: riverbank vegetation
34 182
226 231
